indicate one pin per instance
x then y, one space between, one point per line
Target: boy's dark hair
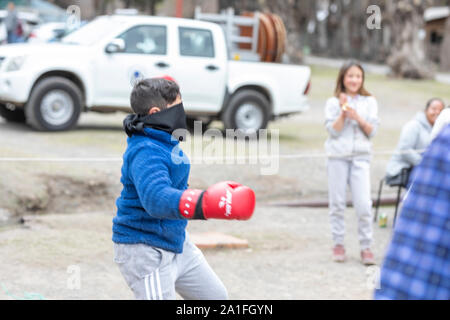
153 92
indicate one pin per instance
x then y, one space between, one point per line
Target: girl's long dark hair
340 79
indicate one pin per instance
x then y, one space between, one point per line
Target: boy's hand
224 200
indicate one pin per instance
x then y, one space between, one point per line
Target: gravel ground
289 257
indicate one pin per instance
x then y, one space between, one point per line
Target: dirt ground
288 257
56 216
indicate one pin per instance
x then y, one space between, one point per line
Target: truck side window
196 42
145 40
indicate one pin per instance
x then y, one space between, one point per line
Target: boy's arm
150 174
224 200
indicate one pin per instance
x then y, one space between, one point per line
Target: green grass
394 91
323 82
300 135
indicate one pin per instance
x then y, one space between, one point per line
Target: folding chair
401 182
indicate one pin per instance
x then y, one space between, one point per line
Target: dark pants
402 179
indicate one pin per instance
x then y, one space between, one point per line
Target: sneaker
367 257
339 253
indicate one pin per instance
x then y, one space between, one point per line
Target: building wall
435 35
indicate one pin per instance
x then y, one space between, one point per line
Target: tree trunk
407 58
337 29
385 33
445 48
360 35
152 7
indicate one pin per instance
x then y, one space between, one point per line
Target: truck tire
247 111
16 115
55 105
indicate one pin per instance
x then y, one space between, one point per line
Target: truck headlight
15 63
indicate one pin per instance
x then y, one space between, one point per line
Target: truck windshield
91 32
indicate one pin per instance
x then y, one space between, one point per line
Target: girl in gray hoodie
351 119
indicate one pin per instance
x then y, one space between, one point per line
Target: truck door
144 56
200 69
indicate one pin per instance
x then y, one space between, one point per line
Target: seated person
414 138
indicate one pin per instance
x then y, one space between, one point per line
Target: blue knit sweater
154 175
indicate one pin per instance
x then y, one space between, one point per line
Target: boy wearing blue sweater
151 245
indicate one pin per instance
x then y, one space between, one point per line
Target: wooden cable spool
271 36
266 25
274 53
247 31
280 31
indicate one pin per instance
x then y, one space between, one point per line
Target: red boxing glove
224 200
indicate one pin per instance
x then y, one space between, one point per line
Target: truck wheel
248 111
54 105
15 115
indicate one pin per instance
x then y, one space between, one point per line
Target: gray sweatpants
356 174
156 274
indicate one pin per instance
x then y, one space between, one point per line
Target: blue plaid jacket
417 263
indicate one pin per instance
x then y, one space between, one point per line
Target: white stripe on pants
150 286
355 173
157 274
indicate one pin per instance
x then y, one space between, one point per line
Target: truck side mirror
117 45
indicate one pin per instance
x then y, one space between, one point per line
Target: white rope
29 159
304 155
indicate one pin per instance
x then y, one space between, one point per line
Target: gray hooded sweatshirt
414 138
351 141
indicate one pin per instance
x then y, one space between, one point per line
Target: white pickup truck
94 68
